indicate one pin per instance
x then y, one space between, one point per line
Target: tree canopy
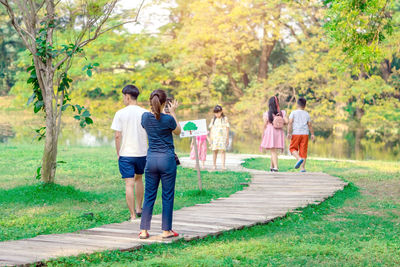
342 56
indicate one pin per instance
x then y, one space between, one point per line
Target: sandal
298 164
174 234
143 236
139 214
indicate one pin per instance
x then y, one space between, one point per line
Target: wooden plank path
268 196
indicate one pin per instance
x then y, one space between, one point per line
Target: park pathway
268 196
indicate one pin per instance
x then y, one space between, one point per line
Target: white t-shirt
300 122
134 137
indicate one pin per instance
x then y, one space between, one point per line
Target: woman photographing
161 162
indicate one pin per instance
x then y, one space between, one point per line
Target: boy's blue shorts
129 166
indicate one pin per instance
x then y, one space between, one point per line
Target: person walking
273 139
161 162
298 131
219 135
131 146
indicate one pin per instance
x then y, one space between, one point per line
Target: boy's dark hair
131 90
302 102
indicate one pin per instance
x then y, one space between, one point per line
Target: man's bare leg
303 165
295 154
139 192
129 195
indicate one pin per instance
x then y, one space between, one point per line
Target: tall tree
37 24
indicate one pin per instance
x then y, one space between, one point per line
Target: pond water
348 145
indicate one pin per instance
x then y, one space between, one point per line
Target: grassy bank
359 226
89 182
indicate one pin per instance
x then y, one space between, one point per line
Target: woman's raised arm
172 108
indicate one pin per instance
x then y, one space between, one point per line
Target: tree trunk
245 79
386 69
265 55
236 90
49 160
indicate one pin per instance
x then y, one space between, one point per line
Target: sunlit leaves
359 27
89 68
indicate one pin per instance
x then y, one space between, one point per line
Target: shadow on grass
299 221
37 194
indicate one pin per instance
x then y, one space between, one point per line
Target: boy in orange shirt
298 130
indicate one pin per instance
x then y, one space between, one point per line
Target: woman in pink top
201 149
273 139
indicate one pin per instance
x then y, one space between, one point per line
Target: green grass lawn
359 226
89 182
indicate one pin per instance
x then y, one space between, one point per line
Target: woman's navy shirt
159 133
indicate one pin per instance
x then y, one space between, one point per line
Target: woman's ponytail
273 109
157 99
156 106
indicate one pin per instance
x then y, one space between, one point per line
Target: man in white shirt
300 123
131 144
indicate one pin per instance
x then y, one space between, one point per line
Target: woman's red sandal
143 236
174 234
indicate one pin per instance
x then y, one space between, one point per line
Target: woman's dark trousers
159 167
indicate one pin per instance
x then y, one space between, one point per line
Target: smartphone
169 101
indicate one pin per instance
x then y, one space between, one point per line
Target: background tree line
239 53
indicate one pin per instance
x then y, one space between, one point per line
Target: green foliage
383 121
367 24
10 46
83 116
368 91
89 68
46 51
210 53
37 92
38 175
41 133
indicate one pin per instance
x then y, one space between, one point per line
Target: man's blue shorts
129 166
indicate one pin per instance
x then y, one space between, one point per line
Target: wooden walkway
268 196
